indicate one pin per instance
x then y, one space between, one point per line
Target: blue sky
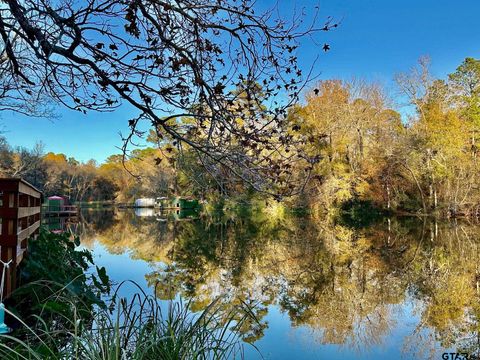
376 39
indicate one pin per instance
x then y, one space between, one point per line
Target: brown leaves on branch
179 60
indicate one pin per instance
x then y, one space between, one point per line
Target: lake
402 288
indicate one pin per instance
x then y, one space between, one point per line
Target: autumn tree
441 161
22 162
465 87
350 129
168 60
76 180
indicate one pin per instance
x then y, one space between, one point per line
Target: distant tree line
356 147
55 174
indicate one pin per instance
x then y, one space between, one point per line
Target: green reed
129 329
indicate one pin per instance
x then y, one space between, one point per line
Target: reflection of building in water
59 225
164 203
19 221
144 212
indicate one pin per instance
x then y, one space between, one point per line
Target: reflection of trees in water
445 276
86 225
98 220
143 238
344 284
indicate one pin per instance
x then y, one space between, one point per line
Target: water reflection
349 287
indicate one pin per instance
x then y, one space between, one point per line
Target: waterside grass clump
64 310
133 329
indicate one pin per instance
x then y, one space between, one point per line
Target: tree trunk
424 205
388 196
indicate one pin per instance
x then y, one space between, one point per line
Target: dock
58 206
62 211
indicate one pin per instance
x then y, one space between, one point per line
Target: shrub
55 273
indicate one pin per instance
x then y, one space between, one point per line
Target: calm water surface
401 289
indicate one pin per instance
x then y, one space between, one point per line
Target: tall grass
131 329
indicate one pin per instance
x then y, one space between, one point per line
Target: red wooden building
20 205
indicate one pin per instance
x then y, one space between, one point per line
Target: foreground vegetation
138 329
64 311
